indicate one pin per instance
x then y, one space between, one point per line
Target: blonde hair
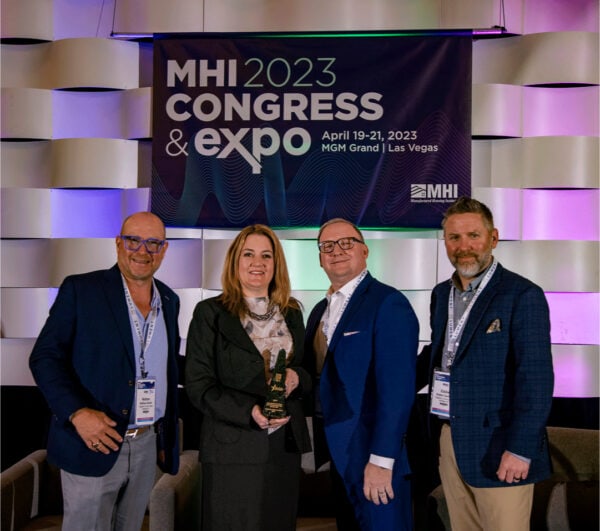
232 296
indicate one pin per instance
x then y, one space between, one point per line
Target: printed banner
291 131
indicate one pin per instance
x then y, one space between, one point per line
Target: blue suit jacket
84 357
501 379
367 384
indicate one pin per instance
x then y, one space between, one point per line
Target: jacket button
125 411
130 383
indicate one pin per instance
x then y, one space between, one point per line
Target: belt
136 432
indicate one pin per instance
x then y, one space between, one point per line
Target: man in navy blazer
489 368
361 345
106 362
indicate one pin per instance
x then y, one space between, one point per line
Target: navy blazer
367 384
225 379
84 357
501 379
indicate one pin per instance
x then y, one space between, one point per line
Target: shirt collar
474 284
348 288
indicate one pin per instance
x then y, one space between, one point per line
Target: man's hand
512 469
378 484
96 430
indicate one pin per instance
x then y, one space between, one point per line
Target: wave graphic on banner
375 187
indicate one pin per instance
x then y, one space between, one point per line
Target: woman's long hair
280 286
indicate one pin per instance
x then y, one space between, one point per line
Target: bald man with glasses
361 348
106 362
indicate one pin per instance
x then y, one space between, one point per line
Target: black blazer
225 378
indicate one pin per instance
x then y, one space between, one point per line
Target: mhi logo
433 193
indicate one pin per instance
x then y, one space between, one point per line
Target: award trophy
275 402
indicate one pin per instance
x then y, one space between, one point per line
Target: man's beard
473 269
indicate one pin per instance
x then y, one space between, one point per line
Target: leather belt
136 432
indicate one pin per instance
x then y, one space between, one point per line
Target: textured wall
76 132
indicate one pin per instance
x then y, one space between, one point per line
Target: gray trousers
117 500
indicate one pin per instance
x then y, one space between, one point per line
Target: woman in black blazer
250 463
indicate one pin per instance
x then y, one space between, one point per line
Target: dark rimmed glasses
133 243
344 243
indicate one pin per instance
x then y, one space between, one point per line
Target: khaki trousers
481 509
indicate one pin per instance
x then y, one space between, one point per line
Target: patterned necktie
320 347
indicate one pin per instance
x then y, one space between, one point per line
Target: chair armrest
20 490
575 453
176 500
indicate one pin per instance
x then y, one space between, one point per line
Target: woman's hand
265 423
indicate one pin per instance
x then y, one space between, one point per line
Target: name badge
440 394
145 401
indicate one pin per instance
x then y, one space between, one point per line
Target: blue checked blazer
501 379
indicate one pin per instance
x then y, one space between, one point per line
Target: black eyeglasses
133 243
344 243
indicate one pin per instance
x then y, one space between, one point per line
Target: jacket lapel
233 330
439 323
477 312
113 289
352 307
315 318
295 331
169 313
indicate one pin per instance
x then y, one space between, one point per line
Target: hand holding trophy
275 402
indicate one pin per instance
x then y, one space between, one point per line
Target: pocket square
494 327
351 333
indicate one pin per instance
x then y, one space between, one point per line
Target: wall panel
561 215
537 59
26 113
545 162
20 263
94 163
14 362
314 15
25 213
27 19
26 164
560 111
575 318
560 15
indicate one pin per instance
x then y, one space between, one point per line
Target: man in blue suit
106 362
361 345
489 369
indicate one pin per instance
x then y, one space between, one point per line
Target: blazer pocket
227 434
495 419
